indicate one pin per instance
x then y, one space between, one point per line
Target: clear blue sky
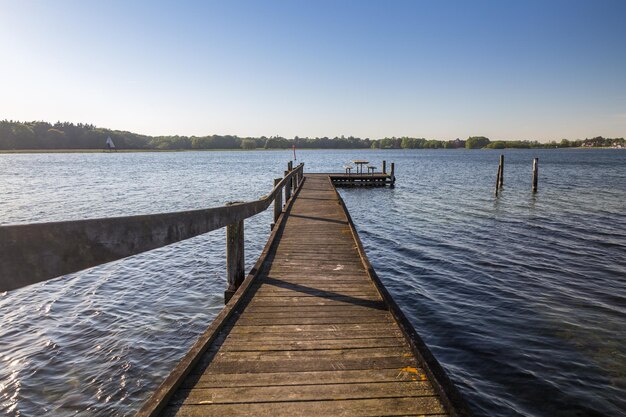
437 69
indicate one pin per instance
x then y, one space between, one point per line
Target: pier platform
374 180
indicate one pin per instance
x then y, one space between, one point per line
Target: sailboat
109 144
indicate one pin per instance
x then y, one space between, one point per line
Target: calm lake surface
522 298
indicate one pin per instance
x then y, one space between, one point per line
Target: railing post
384 167
287 189
278 203
235 266
298 177
291 183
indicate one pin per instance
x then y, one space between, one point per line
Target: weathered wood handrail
32 253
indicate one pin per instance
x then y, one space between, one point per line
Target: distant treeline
481 142
64 135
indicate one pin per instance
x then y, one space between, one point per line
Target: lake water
522 298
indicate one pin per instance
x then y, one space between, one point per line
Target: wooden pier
310 331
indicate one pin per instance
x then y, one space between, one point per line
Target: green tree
248 144
476 142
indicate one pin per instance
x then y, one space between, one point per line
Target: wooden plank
363 334
217 380
322 313
300 365
335 309
307 310
299 298
314 291
329 319
277 285
236 395
323 328
289 290
321 301
342 277
317 354
345 408
235 345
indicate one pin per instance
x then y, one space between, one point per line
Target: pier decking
311 334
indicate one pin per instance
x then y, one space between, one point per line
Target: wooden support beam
392 175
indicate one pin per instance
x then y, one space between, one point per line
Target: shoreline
46 151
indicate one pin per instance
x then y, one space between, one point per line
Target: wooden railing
32 253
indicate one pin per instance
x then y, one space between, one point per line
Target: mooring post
501 181
384 167
278 203
287 189
235 267
535 174
392 175
498 178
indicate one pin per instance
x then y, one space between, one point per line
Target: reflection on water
521 298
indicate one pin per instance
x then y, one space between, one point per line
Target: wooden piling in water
384 167
235 268
535 174
498 180
501 181
392 175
